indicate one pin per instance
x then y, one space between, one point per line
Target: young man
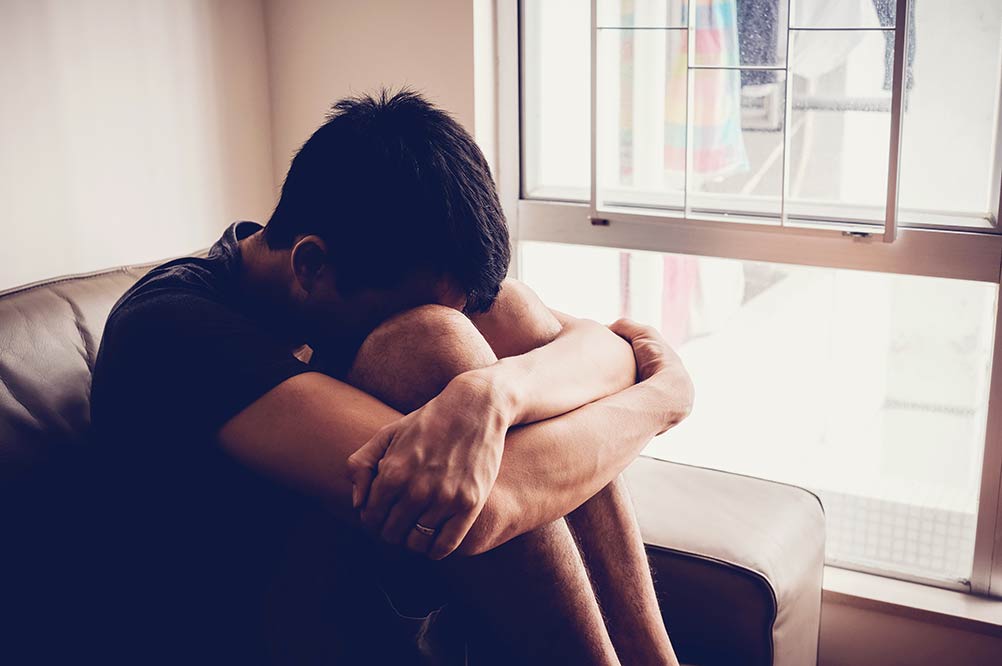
445 411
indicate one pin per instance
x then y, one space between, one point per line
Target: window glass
642 117
951 97
658 121
740 33
556 97
840 127
737 166
843 13
641 13
868 388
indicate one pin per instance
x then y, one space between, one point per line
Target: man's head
390 204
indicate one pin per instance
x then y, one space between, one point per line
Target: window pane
641 117
868 388
740 33
556 98
840 125
952 82
737 154
641 13
840 81
843 13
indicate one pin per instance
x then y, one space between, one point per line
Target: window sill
958 610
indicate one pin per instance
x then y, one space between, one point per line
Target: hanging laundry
827 50
718 148
761 39
885 10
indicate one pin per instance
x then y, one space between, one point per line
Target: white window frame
946 250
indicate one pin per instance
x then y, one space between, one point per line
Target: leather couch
737 561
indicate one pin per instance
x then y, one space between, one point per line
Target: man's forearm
549 363
585 362
551 467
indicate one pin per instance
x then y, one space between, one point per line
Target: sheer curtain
129 131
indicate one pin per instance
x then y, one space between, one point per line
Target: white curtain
826 50
129 131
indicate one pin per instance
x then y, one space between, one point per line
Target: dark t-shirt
198 538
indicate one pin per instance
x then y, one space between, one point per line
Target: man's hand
656 360
436 467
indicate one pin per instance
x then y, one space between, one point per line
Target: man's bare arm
303 431
548 367
549 364
552 467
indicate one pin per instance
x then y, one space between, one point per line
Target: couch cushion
738 563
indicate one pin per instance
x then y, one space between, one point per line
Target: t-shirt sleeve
193 363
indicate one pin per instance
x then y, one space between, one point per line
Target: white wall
129 131
322 50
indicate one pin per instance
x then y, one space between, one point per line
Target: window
556 90
869 389
803 196
768 112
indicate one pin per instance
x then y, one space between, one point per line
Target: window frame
935 250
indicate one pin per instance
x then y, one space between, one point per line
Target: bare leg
609 537
410 359
533 592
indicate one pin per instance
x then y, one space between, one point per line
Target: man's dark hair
396 188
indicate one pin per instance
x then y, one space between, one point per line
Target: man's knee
410 357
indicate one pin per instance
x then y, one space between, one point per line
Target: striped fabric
718 146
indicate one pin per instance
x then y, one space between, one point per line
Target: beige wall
322 50
129 131
135 131
853 636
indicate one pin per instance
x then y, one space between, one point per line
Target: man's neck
263 288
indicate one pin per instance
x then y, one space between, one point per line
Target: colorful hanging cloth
718 148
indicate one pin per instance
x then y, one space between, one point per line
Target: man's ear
309 260
448 293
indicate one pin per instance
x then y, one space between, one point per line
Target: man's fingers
362 465
388 485
402 518
434 517
360 476
626 328
452 534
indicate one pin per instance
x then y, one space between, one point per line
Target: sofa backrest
51 531
49 337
